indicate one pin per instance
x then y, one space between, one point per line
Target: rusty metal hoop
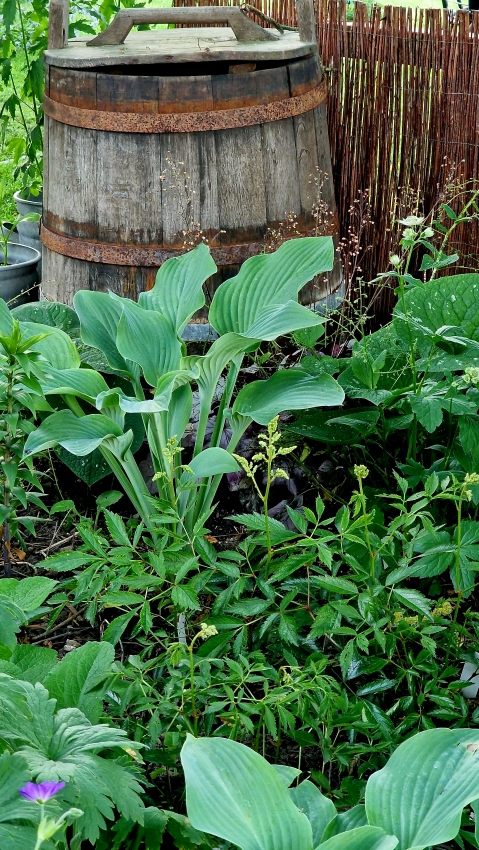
186 122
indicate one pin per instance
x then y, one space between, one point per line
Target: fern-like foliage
95 761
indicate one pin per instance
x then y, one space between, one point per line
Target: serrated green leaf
80 678
415 600
33 662
28 594
185 597
115 629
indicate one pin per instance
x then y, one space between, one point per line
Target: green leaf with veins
64 746
80 679
269 279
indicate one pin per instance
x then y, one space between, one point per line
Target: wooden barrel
141 161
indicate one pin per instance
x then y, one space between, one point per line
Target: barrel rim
210 45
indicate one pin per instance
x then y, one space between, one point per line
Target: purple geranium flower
42 792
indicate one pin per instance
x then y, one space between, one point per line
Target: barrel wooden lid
179 45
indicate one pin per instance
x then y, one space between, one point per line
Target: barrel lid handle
243 27
58 24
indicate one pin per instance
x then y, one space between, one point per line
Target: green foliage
21 399
415 801
116 326
235 794
18 819
20 603
24 36
57 740
332 632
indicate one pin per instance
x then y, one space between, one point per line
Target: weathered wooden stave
112 197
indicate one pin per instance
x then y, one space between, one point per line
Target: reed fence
403 112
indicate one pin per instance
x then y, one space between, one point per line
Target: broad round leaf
51 313
232 792
421 792
291 389
80 436
269 279
452 300
213 461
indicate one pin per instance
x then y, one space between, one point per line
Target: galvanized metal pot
19 279
29 231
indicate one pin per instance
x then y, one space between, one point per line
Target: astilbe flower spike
42 792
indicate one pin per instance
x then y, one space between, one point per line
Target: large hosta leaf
212 461
178 290
291 389
99 316
452 300
363 838
56 347
421 792
78 436
269 279
233 793
147 338
83 383
319 810
278 319
6 319
345 821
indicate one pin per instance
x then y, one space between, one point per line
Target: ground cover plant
259 643
323 631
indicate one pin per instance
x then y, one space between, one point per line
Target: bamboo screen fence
403 110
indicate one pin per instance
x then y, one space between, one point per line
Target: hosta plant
153 376
416 801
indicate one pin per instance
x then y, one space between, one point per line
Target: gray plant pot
19 279
29 231
9 229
